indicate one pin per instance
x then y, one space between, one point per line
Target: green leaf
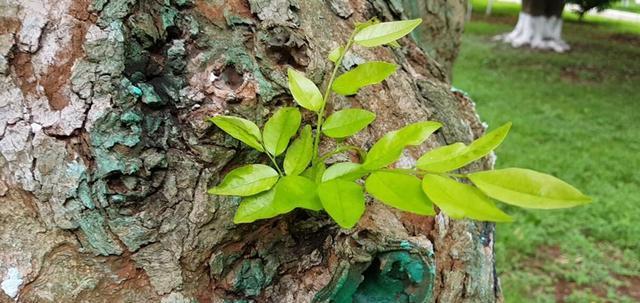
241 129
448 158
247 180
260 206
385 32
280 128
362 25
304 91
528 188
367 73
401 191
315 172
344 170
296 191
347 122
389 148
335 54
343 201
440 155
459 200
289 193
394 44
299 154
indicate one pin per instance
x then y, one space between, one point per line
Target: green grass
632 8
576 116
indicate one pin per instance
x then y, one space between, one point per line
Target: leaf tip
586 199
507 125
506 219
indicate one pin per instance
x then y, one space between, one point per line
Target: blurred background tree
586 5
540 23
539 26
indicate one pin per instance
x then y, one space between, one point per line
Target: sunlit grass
576 116
632 7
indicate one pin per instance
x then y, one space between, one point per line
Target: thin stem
457 175
273 160
447 174
340 149
406 171
327 95
419 173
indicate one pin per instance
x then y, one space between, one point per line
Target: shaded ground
576 116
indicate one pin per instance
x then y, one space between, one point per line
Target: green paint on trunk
398 276
92 224
393 277
149 95
169 16
131 231
250 278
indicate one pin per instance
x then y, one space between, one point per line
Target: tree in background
586 5
539 26
540 23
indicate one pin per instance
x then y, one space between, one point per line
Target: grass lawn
633 7
576 116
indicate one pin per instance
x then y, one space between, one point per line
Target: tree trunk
539 26
106 155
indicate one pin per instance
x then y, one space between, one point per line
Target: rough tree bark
106 156
539 26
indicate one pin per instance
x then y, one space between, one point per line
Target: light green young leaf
296 191
304 91
347 122
335 54
367 73
260 206
528 188
290 192
385 32
280 128
441 154
299 154
315 172
343 201
438 161
389 148
362 25
394 44
344 170
247 180
459 200
401 191
241 129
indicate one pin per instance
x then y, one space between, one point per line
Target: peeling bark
106 157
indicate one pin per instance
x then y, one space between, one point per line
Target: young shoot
305 182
